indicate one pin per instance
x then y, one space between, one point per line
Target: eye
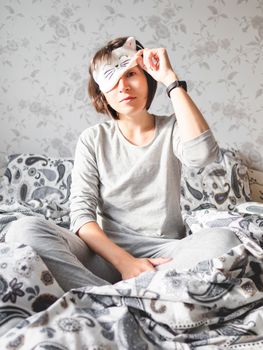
131 73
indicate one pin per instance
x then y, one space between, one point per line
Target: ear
130 43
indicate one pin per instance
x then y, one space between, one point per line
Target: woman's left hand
156 63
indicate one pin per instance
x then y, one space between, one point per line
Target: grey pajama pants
74 265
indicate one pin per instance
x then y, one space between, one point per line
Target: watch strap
175 84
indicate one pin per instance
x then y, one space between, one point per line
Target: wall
46 46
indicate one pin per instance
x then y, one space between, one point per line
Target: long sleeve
197 152
134 189
85 183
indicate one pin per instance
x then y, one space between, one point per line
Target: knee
203 245
220 237
217 240
24 229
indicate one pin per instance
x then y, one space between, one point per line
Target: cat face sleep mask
107 73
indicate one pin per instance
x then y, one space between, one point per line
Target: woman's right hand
135 266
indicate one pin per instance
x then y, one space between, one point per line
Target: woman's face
130 94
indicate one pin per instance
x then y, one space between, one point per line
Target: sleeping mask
108 72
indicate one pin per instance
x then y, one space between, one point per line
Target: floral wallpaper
46 46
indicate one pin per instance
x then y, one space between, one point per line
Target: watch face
183 84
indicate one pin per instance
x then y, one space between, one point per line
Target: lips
128 98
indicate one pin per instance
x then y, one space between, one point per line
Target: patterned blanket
216 305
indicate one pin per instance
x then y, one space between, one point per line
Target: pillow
220 185
40 184
36 177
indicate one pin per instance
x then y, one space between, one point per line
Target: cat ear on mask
130 43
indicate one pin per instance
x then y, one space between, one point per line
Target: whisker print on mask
109 73
125 63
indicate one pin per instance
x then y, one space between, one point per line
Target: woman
128 170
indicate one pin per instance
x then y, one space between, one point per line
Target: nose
123 84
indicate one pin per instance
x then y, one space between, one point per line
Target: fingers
154 61
149 59
142 265
151 267
159 261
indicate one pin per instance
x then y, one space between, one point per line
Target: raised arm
190 120
194 143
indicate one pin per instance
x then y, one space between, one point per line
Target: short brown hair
97 97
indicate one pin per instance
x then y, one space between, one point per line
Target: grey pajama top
135 189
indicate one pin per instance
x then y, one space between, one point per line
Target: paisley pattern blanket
216 305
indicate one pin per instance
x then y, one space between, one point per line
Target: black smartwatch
175 84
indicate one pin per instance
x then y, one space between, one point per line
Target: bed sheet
216 305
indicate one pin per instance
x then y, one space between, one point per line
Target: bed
218 304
